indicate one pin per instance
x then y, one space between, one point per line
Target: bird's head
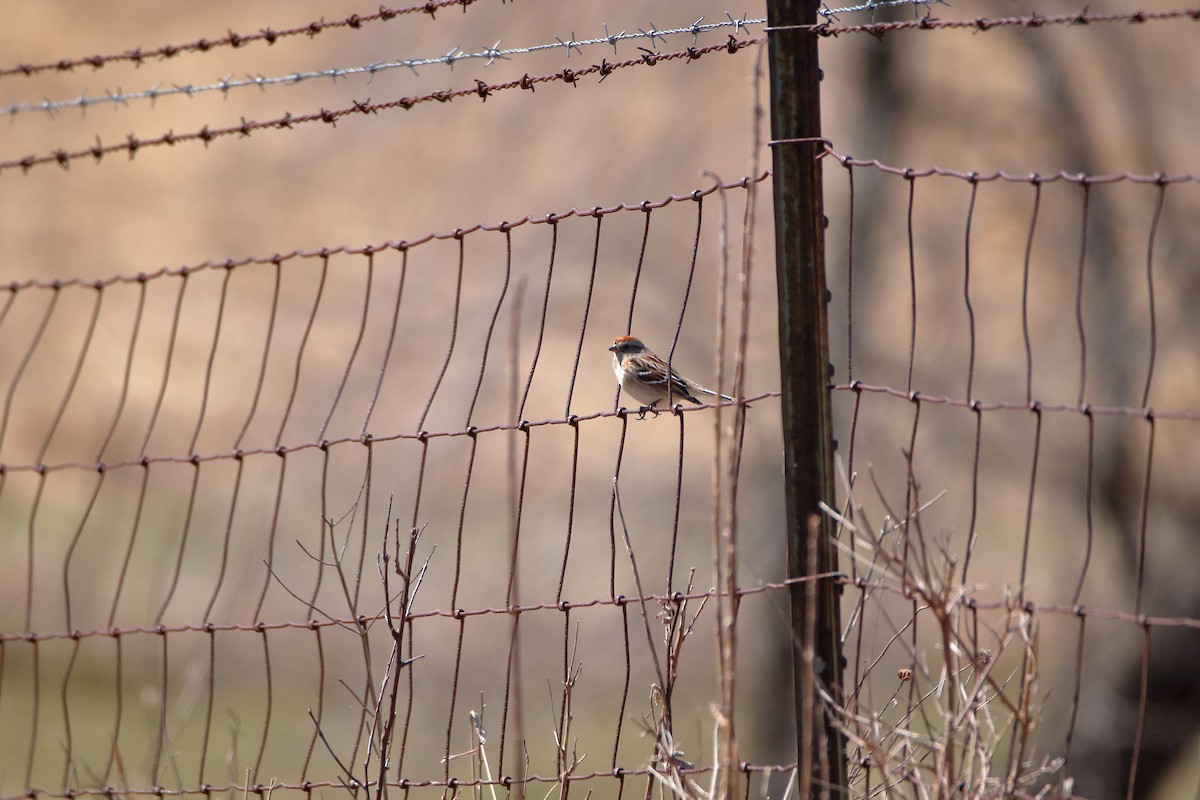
627 345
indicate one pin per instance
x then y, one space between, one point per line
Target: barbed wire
139 55
831 13
483 90
988 23
455 55
489 54
494 52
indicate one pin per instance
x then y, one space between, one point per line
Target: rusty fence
373 520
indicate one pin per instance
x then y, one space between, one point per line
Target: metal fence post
804 364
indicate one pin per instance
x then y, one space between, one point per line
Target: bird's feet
651 408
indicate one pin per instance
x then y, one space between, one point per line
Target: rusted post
804 364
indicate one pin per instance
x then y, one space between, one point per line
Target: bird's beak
612 348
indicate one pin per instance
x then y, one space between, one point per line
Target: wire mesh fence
1018 357
239 514
375 520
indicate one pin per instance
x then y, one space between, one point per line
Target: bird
644 376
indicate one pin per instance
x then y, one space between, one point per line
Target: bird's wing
653 374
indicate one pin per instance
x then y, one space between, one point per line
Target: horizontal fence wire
1027 606
1033 178
407 785
324 444
461 613
1034 406
276 259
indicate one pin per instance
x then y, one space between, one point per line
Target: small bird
645 377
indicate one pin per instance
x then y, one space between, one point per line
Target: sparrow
645 377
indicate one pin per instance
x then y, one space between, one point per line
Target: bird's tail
706 391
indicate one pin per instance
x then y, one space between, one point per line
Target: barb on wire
487 54
871 5
207 134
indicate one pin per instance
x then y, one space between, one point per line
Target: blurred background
185 368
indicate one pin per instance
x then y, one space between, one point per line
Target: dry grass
957 719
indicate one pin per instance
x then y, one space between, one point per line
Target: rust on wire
233 40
